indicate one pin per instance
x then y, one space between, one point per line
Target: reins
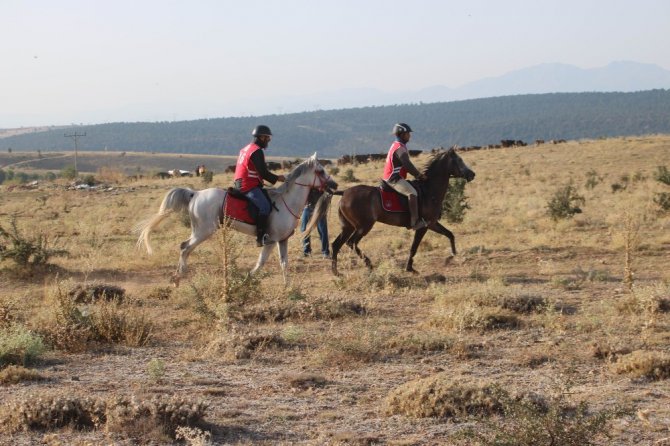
311 186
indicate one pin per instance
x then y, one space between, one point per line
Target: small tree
69 173
455 201
565 203
26 252
207 176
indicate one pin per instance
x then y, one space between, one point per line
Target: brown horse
361 207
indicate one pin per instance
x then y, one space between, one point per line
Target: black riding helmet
401 127
261 130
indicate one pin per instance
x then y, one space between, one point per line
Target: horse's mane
295 173
436 160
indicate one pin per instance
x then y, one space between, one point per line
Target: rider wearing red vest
250 172
396 168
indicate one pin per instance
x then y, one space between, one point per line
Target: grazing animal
361 207
205 208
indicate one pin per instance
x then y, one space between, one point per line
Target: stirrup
420 224
265 240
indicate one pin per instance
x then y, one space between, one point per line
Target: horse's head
460 169
312 174
449 163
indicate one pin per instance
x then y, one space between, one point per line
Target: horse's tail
176 200
320 209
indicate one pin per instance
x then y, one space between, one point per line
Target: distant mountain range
545 78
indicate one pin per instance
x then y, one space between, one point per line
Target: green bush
69 173
207 177
565 203
349 176
19 346
662 199
455 201
662 175
26 252
592 179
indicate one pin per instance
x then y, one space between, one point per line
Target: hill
366 130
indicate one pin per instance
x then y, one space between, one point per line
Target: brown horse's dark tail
320 209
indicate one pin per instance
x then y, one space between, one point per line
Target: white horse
205 210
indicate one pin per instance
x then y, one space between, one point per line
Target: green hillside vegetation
367 130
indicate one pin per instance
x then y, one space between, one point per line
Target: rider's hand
281 178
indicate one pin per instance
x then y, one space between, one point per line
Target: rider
396 168
250 172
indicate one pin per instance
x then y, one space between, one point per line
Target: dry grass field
539 332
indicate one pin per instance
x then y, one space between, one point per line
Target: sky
69 62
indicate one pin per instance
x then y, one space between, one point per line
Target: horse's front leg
437 227
262 257
282 248
418 236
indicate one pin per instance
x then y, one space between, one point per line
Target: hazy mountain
543 78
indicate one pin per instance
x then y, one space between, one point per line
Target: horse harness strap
311 186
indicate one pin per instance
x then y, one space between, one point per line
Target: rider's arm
403 156
258 158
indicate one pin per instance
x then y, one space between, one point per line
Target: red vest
389 167
245 171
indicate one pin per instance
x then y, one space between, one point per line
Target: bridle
322 186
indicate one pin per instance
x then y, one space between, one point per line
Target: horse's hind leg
197 237
353 244
341 239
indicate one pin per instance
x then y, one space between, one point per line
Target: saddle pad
391 201
237 209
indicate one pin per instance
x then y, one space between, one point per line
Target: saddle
393 201
236 206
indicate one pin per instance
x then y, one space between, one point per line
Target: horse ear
314 156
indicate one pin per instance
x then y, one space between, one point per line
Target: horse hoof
175 281
448 260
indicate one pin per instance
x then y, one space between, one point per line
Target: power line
76 137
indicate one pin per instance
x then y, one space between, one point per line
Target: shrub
440 396
207 177
662 199
18 345
644 364
89 180
455 202
349 176
531 421
565 203
69 173
662 175
27 253
14 374
592 179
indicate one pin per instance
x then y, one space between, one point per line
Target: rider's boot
261 226
415 220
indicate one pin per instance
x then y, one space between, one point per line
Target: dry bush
73 328
304 381
242 343
644 364
129 416
363 342
281 310
419 342
442 396
92 292
524 304
14 374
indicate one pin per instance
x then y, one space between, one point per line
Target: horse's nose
469 176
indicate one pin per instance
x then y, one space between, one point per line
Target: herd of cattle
356 159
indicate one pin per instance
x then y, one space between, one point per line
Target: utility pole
76 137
